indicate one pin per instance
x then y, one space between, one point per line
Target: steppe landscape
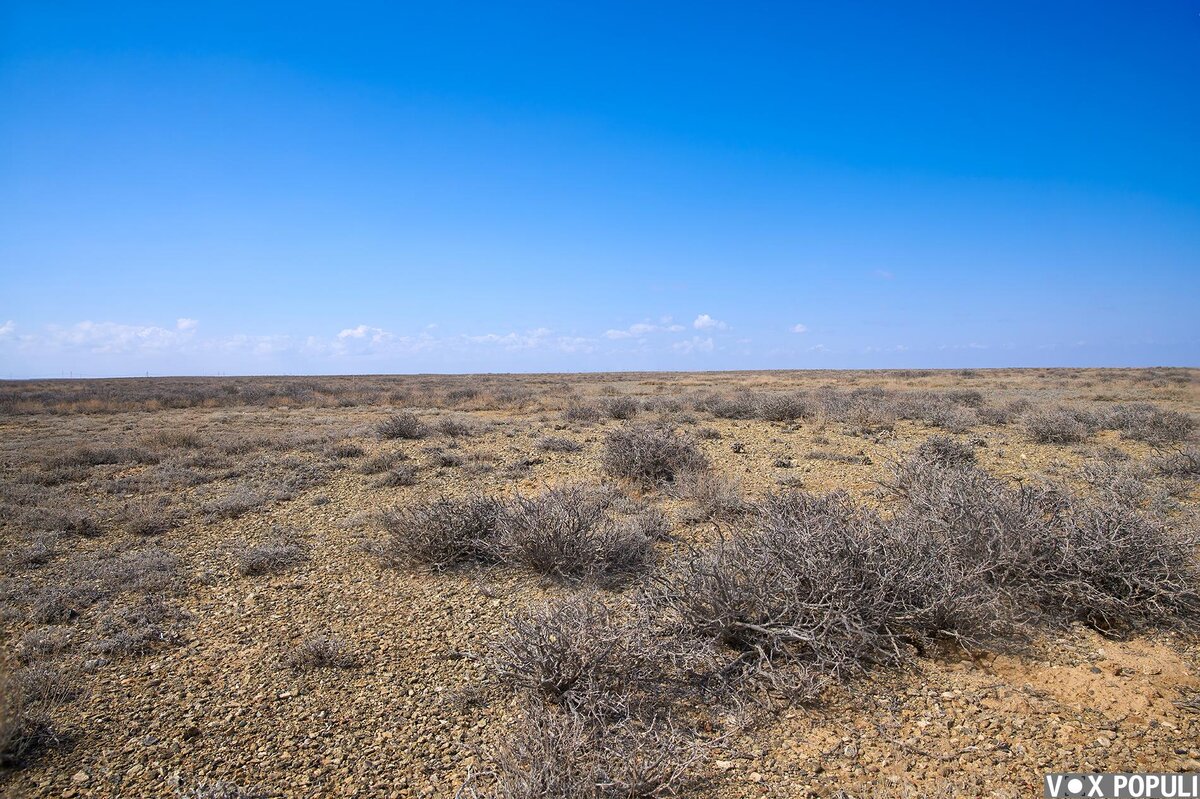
786 584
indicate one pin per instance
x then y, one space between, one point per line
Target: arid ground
782 584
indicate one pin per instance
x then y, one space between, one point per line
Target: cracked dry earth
210 697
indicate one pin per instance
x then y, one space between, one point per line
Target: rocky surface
417 716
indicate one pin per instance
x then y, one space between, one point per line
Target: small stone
756 777
724 765
80 777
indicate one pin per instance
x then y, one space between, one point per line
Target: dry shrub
445 532
837 457
1145 422
402 475
742 405
1060 426
404 424
1063 557
557 444
567 533
651 454
573 654
600 724
622 408
448 460
12 717
27 700
1000 415
649 523
951 418
817 584
458 427
581 412
77 523
58 475
39 552
345 449
60 604
1116 482
283 551
786 407
89 455
1117 570
946 451
320 651
383 462
555 754
821 583
716 497
1183 463
174 439
149 570
968 397
239 501
139 628
147 518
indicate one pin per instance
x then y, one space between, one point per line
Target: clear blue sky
293 188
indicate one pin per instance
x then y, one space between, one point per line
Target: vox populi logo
1122 786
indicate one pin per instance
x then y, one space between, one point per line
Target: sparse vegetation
402 425
1061 426
401 475
946 451
445 532
383 462
320 651
622 408
580 412
1145 422
653 620
281 552
651 454
567 532
558 444
715 497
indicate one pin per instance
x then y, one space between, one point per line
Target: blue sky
300 188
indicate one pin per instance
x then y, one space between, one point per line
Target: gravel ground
414 713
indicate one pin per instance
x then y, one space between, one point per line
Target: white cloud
110 337
183 323
7 328
375 335
514 341
694 344
799 328
354 332
706 322
642 329
818 348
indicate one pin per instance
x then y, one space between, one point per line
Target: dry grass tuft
318 652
